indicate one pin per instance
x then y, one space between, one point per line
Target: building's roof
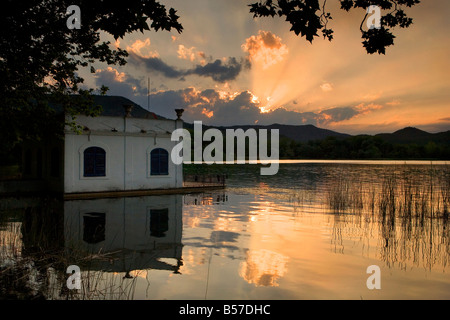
113 106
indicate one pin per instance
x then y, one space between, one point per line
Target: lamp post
179 113
128 108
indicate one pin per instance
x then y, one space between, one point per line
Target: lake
309 232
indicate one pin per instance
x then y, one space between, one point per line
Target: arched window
159 162
94 162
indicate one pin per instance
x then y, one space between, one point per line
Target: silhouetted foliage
40 57
308 17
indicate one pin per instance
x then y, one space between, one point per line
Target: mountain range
309 132
414 135
113 106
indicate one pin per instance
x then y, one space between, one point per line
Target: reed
299 198
395 195
387 197
444 183
410 208
343 195
349 195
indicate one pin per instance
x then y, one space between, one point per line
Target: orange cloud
191 54
118 76
393 103
372 96
208 113
265 48
365 109
326 87
138 46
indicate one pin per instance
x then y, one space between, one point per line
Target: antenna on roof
148 94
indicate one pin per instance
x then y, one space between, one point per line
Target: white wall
127 154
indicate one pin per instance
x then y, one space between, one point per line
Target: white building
125 148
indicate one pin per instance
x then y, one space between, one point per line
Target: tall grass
394 195
410 208
444 185
344 195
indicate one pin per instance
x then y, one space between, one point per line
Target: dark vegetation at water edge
310 142
361 147
399 145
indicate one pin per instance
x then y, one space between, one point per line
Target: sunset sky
227 68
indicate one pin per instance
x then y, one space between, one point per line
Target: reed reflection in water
309 232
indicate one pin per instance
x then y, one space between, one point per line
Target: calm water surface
266 237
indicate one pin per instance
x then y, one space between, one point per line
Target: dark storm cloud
117 82
156 64
218 70
340 113
240 109
216 107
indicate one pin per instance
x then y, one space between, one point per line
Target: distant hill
113 106
413 135
301 133
309 132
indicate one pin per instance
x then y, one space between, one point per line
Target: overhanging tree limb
307 18
40 57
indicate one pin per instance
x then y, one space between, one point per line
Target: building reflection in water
135 233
